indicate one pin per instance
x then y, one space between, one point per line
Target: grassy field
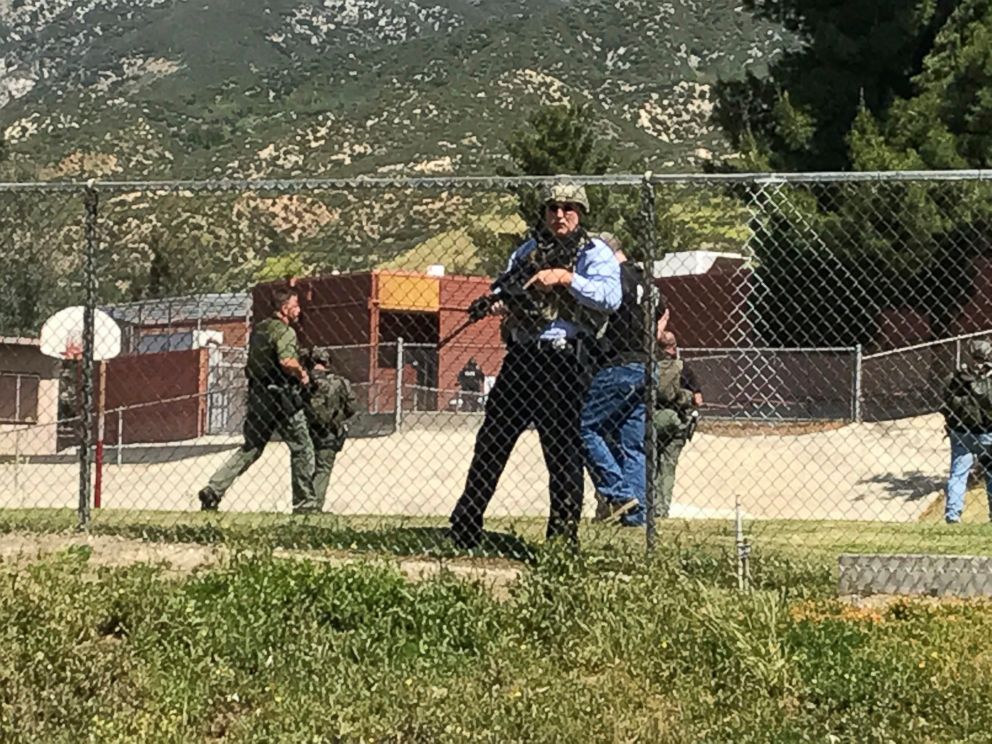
262 649
798 555
609 645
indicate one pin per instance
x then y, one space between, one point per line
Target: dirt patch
767 428
21 549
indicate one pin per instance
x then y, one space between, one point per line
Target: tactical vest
557 304
263 359
967 402
670 393
625 340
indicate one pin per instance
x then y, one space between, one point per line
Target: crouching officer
330 402
675 416
275 403
573 284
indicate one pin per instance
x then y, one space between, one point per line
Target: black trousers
543 386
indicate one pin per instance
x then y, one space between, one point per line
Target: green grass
799 557
261 649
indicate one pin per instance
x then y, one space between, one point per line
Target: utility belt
287 397
580 349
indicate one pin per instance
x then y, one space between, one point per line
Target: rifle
509 287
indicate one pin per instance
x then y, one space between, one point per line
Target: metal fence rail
820 313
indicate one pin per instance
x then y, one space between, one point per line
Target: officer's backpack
670 393
331 404
968 400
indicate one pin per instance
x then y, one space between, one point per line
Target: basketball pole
101 400
91 200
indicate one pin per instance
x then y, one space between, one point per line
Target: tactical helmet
320 356
563 191
981 351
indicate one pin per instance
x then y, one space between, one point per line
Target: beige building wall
23 356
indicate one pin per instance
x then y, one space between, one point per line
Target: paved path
882 471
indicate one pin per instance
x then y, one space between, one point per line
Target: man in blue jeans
968 413
614 412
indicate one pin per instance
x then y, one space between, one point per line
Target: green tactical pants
265 417
323 465
669 432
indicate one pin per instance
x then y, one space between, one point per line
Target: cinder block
931 575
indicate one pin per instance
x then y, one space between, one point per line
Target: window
150 343
18 398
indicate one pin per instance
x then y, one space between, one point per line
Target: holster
289 398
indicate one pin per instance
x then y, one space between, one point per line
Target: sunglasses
565 207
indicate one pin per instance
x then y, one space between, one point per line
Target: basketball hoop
62 335
62 338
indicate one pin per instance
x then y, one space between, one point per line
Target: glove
480 308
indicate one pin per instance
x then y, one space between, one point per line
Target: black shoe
209 500
306 509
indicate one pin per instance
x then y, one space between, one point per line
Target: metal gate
227 390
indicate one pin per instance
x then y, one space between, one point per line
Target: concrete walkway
881 471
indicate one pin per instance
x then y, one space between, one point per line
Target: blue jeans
964 447
613 435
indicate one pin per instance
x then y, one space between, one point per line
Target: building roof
682 263
190 308
19 341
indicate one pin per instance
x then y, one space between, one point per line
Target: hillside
344 87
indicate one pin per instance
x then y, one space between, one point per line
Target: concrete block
930 575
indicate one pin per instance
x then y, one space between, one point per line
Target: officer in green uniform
330 403
678 398
275 403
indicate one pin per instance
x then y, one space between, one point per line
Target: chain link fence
819 315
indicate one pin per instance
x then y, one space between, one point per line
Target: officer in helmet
574 285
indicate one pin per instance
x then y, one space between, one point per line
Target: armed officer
549 327
676 413
275 403
967 409
330 402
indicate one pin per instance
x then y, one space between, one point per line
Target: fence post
17 468
399 385
91 201
649 218
957 353
120 436
856 403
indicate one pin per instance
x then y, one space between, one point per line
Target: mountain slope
173 88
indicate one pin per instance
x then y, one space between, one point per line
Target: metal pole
91 201
399 385
17 468
120 436
649 218
739 540
858 360
100 425
957 353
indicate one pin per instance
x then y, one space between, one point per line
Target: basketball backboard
62 335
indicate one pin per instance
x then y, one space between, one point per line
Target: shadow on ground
906 486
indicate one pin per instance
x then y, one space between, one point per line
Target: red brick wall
707 309
976 315
147 378
480 340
